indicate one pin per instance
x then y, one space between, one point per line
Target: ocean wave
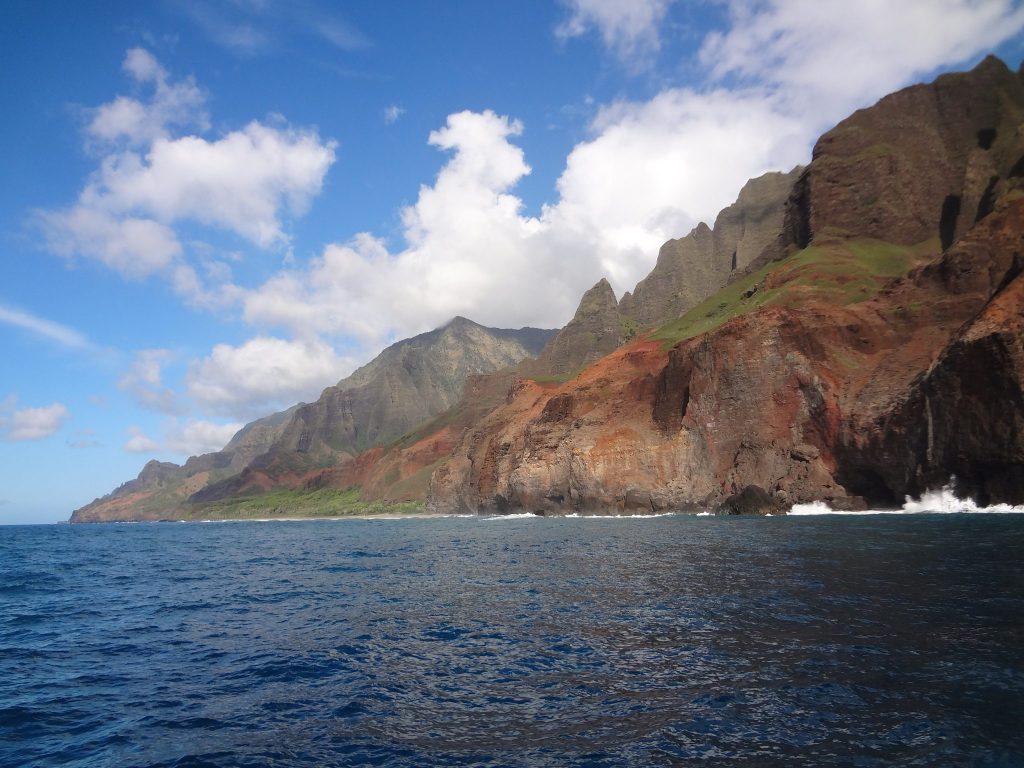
942 501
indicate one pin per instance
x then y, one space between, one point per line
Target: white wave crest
942 501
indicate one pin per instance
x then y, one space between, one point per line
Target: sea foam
942 501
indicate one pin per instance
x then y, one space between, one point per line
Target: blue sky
212 210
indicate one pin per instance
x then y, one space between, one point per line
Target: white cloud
241 182
61 334
196 437
150 181
392 113
469 246
131 120
143 381
31 423
675 160
139 442
191 438
468 249
831 56
630 29
263 374
134 247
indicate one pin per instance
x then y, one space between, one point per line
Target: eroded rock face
407 384
595 330
856 402
963 416
644 430
927 161
752 500
693 267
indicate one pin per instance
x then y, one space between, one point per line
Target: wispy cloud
392 113
256 28
143 382
630 29
84 439
47 329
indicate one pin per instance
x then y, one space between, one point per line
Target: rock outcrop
874 351
692 268
595 330
962 417
927 161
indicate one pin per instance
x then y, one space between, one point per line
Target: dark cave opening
947 220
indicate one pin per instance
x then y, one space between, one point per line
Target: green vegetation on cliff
836 272
286 503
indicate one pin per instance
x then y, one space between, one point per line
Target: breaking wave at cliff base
942 501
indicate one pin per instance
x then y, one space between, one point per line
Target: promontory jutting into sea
572 383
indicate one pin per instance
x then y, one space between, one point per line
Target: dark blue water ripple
876 641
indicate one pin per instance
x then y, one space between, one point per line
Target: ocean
868 640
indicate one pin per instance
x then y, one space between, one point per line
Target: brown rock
595 330
693 267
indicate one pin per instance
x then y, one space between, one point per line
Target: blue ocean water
853 641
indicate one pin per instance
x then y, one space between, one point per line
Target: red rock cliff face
851 399
644 431
963 414
816 402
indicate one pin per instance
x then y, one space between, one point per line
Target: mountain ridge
830 309
297 441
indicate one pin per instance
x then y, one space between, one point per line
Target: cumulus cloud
469 244
19 424
264 374
149 181
47 329
172 104
139 442
241 182
675 160
630 29
134 247
143 381
785 72
468 248
833 56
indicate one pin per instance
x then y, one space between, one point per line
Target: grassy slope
323 502
839 272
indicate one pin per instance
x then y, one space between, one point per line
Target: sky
213 210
